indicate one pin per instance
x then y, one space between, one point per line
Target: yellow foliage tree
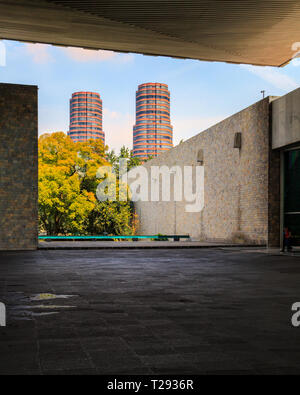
67 189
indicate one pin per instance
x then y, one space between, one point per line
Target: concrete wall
18 167
286 120
274 189
238 184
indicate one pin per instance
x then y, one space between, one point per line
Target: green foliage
125 153
150 157
67 190
114 218
162 237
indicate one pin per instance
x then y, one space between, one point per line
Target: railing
112 238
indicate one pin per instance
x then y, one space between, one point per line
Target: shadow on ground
149 312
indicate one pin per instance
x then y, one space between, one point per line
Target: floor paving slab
219 310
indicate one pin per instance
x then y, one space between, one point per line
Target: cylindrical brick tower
152 133
86 117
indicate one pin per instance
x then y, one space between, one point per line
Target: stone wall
18 167
274 193
286 120
237 183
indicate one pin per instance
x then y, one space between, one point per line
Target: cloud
187 67
118 129
50 124
86 55
185 128
273 77
39 53
111 114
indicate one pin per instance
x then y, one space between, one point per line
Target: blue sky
202 93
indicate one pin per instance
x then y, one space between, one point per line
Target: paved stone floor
147 244
205 311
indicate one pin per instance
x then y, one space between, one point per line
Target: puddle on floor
44 314
50 306
27 310
28 315
39 297
41 307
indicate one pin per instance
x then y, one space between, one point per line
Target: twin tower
152 133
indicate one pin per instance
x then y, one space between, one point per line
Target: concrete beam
248 31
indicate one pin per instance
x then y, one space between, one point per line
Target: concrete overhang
249 31
286 120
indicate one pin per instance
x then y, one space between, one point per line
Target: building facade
251 183
153 132
86 117
251 165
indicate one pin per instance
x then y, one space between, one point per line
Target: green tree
150 157
125 153
113 218
67 189
111 157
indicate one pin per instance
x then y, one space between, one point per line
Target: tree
117 219
62 205
150 157
67 189
111 157
125 153
113 218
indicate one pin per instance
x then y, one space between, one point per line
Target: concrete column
18 167
273 189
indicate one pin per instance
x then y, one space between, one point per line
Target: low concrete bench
112 238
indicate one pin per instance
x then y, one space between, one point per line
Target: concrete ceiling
246 31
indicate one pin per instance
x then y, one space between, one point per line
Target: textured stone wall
274 193
237 183
18 167
286 120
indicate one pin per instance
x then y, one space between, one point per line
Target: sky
202 93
